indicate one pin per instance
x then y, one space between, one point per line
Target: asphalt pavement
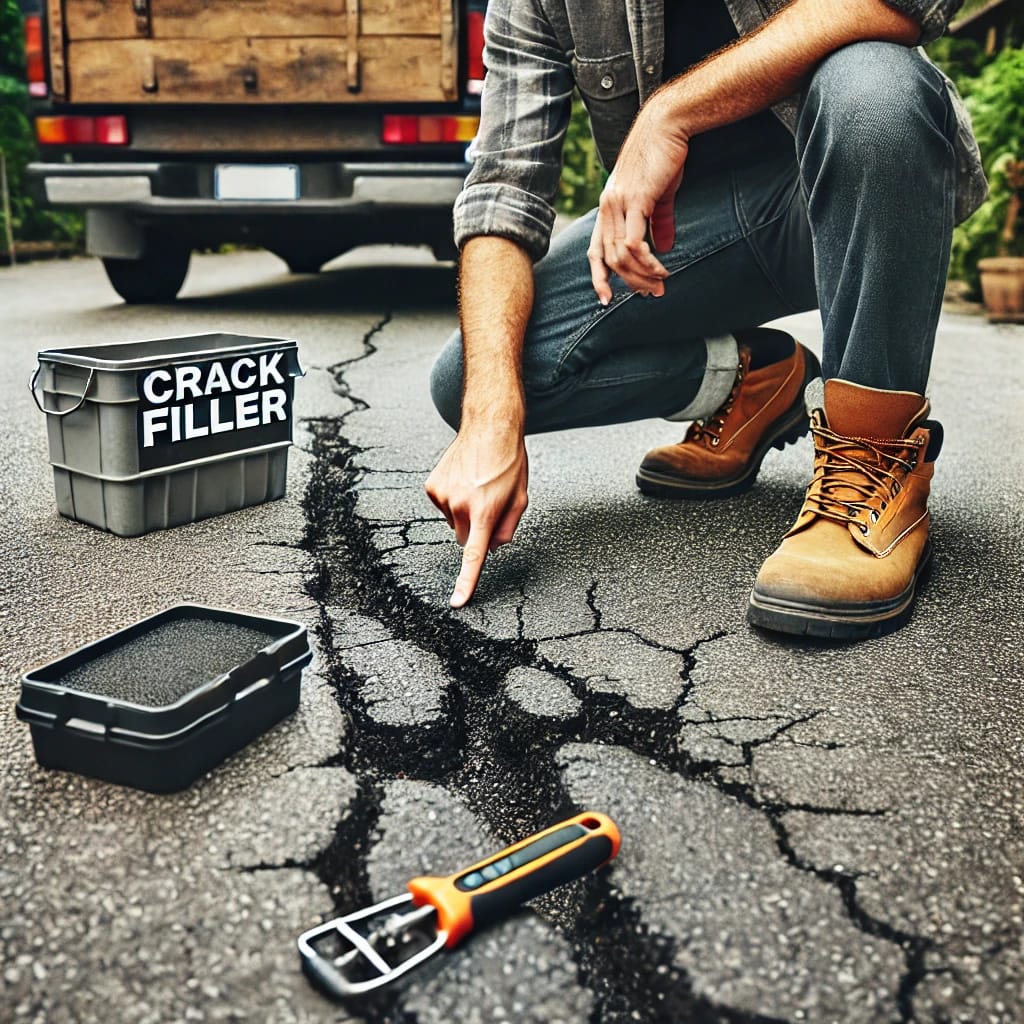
811 832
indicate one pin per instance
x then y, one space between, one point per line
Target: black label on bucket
195 410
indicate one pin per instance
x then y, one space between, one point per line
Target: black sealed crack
516 787
521 615
342 865
592 604
288 862
654 990
337 371
915 948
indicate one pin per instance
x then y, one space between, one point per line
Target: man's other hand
480 485
638 197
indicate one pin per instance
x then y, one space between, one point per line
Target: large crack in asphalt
506 770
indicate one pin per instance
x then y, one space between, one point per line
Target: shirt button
649 69
607 82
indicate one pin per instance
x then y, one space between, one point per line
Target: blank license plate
256 182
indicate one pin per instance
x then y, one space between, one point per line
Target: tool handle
490 890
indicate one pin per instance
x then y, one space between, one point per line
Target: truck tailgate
253 51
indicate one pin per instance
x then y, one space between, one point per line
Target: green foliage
996 102
12 39
995 98
583 177
29 222
961 59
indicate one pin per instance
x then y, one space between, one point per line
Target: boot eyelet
885 505
896 488
863 528
874 516
715 442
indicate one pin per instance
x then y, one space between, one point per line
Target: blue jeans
856 219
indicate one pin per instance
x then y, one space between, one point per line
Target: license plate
258 182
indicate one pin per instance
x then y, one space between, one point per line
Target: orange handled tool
354 954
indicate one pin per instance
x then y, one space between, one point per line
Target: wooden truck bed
253 51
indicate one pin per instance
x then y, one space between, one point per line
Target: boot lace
855 478
709 430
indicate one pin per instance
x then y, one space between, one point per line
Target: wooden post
7 207
58 69
352 43
143 16
449 48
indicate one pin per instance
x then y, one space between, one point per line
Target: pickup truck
307 127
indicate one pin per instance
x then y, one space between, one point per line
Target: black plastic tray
163 746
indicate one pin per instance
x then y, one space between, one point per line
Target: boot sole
788 429
838 622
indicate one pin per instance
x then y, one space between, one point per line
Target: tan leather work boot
721 455
849 567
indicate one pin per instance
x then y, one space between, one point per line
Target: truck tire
445 251
304 264
154 278
307 258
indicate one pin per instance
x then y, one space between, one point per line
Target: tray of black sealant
163 701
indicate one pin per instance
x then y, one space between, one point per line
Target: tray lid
44 696
132 356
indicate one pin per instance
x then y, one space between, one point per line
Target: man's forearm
773 62
480 482
495 302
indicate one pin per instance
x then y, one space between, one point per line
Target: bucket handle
65 412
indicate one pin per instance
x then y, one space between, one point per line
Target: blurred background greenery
29 221
984 60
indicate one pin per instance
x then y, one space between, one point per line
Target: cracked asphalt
810 832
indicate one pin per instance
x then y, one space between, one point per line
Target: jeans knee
446 382
876 99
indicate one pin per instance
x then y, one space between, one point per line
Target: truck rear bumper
324 187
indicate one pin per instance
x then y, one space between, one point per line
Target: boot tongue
855 411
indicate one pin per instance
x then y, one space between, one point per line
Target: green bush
29 222
995 98
12 39
996 102
961 59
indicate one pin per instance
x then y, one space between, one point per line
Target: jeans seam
948 216
574 343
748 233
632 378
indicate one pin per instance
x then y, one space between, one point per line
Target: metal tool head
354 954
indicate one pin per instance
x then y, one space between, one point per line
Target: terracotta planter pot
1002 284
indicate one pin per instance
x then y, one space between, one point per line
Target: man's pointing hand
480 485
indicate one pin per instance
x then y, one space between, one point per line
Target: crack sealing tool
354 954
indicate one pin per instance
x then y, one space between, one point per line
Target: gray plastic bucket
151 434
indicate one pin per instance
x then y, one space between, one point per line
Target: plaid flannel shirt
612 51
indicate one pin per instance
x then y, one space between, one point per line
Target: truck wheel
156 277
445 251
304 264
306 259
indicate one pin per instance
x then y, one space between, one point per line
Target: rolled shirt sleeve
934 15
517 154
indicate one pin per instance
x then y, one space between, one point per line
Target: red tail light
402 130
474 52
82 131
34 65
